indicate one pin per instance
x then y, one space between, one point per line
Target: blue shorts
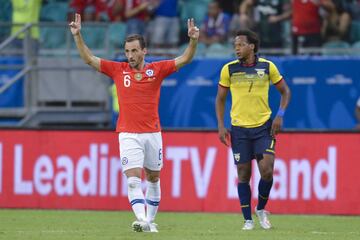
252 143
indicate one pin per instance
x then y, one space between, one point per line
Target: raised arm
187 56
328 5
133 11
245 7
245 16
285 15
85 53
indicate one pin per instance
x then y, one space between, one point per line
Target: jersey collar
249 65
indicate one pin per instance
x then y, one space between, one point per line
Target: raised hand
193 31
75 26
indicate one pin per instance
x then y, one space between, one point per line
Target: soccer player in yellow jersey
252 134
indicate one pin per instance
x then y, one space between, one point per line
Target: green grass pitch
59 224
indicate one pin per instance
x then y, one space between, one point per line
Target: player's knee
267 174
244 176
243 179
153 178
133 183
244 172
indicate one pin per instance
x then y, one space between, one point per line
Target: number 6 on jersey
127 80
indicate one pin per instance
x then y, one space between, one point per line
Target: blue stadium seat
205 2
94 37
5 16
218 50
355 31
335 48
54 12
286 32
356 44
200 50
356 48
52 37
192 9
5 11
117 34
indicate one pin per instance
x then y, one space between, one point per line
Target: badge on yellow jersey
260 72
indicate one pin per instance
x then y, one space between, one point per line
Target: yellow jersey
249 87
26 11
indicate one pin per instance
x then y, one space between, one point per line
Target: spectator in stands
339 20
357 114
215 28
331 34
265 17
137 14
165 26
116 11
241 21
90 10
26 12
353 7
85 8
307 22
104 10
230 6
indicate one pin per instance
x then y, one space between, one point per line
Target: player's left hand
193 31
75 26
276 126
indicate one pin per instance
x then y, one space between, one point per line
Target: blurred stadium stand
5 16
336 48
355 31
193 9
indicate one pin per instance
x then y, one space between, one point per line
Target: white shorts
138 150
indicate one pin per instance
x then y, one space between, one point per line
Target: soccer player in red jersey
138 88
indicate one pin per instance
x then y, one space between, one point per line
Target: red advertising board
315 173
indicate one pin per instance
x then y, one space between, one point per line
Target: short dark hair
251 38
134 37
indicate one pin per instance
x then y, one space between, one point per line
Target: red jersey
130 4
80 5
306 17
138 93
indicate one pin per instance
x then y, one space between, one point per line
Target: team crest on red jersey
149 72
138 76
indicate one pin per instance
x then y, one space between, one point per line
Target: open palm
75 26
193 31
